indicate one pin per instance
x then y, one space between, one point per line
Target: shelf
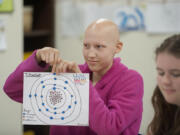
42 31
37 33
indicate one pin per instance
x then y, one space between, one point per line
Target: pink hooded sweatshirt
115 102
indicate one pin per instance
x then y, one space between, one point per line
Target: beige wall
10 114
137 53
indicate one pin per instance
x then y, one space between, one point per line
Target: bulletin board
129 15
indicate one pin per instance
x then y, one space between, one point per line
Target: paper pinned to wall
76 16
1 1
163 18
71 23
3 43
108 9
6 5
129 18
91 12
50 99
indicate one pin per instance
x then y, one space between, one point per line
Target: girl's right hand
49 56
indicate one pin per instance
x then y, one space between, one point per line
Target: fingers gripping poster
50 99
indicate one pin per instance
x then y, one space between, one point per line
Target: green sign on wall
6 6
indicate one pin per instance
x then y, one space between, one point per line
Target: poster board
50 99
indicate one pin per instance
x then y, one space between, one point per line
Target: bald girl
115 91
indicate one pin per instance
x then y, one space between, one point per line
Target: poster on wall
129 18
6 6
71 19
3 45
163 18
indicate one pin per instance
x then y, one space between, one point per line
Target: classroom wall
10 111
137 53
